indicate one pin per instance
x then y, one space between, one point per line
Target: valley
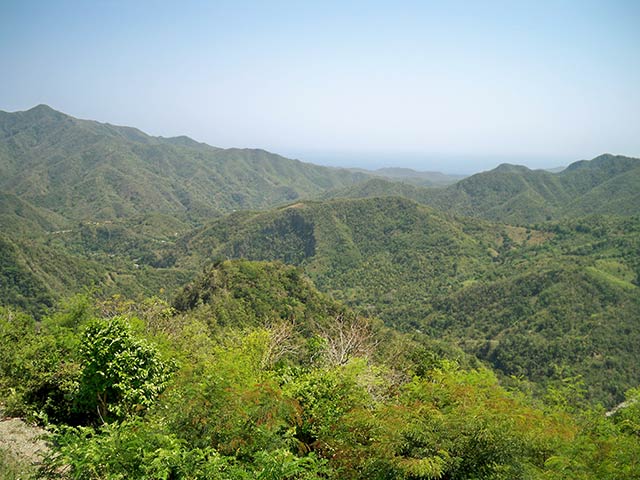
339 323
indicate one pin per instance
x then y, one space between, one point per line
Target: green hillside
381 251
619 195
381 187
569 287
515 194
242 293
301 388
252 369
19 285
46 258
36 274
92 171
19 218
566 307
94 207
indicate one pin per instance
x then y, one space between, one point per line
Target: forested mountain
565 306
360 250
381 187
37 273
87 170
350 336
304 388
355 248
533 301
557 300
515 194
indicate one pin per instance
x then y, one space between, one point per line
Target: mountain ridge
522 299
85 169
516 194
93 205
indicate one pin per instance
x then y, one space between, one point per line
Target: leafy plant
121 374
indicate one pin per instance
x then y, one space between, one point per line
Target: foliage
121 375
231 411
539 303
19 286
39 368
513 194
253 373
56 162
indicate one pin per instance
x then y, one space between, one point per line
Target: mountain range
534 272
88 170
536 302
608 184
85 170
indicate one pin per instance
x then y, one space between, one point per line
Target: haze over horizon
457 88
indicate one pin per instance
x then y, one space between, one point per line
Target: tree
348 336
121 374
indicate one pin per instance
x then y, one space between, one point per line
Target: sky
451 86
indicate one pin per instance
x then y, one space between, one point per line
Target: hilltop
540 303
89 170
411 176
608 184
476 263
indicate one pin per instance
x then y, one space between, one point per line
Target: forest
253 373
172 310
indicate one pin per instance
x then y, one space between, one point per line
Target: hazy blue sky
444 85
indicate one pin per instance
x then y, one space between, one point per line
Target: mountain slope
44 257
515 194
540 303
89 170
360 250
617 193
380 187
19 218
567 307
259 375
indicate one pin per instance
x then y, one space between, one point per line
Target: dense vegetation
367 251
514 194
545 302
87 170
508 309
146 391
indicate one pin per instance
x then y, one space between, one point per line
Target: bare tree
281 342
348 336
